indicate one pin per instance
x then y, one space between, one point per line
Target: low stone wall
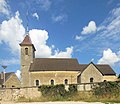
12 94
86 86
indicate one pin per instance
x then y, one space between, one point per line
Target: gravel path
52 103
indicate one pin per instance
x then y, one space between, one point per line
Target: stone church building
51 71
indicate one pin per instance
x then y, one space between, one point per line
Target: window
52 82
66 81
26 51
37 82
91 80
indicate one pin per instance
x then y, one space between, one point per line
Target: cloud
109 57
44 4
12 32
110 27
80 38
14 28
35 15
18 73
107 34
39 39
4 7
91 28
9 61
59 18
61 54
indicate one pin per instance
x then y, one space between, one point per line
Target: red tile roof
26 41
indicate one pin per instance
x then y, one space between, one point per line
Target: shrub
107 89
52 90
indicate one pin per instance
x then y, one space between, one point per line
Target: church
52 71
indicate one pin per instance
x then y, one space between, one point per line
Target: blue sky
88 30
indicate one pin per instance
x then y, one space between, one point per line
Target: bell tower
27 55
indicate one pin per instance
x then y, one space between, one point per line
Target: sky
88 30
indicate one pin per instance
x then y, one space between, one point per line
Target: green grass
81 96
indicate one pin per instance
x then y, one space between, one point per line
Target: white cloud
12 32
61 54
109 57
91 28
59 18
18 73
9 61
39 39
80 38
110 27
4 8
107 34
44 4
35 15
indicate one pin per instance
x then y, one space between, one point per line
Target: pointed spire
26 41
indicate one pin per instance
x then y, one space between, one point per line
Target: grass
81 96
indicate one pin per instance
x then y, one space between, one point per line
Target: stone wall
13 81
91 72
110 78
59 77
26 60
13 94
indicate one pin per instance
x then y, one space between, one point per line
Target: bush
72 88
52 90
107 89
57 91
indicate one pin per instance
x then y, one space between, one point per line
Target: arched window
52 82
66 81
26 51
37 82
91 80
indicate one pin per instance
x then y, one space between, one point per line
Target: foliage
52 90
57 91
107 89
72 88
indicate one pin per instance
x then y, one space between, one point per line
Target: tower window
37 82
26 51
91 80
66 81
52 82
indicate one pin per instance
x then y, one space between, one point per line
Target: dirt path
52 103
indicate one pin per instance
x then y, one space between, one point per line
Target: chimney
2 75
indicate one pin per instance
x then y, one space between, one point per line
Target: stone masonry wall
91 72
59 77
13 81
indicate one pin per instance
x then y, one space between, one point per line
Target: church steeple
27 42
27 55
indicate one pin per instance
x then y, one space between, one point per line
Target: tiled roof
26 41
66 64
7 75
54 64
105 69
